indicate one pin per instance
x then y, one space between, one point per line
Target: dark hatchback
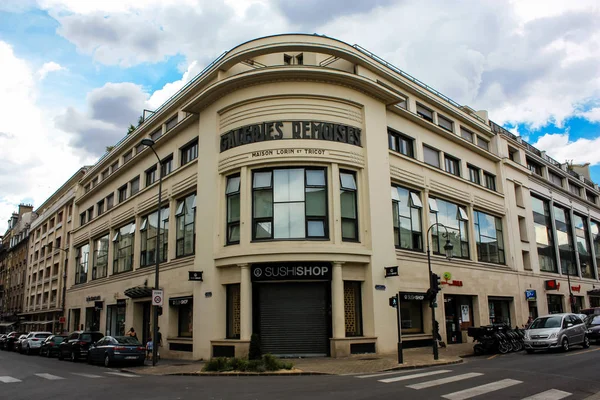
593 328
9 343
50 345
77 344
118 349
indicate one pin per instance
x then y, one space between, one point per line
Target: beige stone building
296 168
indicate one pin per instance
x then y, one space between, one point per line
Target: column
337 302
245 303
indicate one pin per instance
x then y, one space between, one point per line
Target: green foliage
130 129
255 352
218 364
239 364
270 362
267 363
140 120
109 148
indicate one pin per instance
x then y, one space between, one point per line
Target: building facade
45 285
295 169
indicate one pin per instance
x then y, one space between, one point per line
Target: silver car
556 331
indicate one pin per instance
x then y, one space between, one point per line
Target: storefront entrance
115 319
459 316
555 304
92 317
499 308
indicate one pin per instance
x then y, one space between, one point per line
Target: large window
348 205
596 241
411 311
534 167
289 204
454 218
185 323
149 237
407 218
574 189
424 113
401 143
186 232
557 180
81 264
431 156
452 165
474 174
353 308
445 123
123 248
564 237
232 191
582 237
100 268
488 234
466 134
189 152
489 181
543 234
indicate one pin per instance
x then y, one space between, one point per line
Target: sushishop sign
291 272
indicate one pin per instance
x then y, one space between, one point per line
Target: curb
401 367
246 374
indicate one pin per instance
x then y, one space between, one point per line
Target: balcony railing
551 160
588 182
573 173
502 131
532 149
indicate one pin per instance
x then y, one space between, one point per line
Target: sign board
297 271
98 305
121 302
157 297
391 271
552 284
379 287
181 301
195 275
93 298
576 288
412 296
464 312
530 295
62 320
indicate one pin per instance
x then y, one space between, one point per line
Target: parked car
110 350
76 345
556 331
50 345
3 339
33 341
19 341
593 328
9 343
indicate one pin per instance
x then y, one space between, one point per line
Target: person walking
131 333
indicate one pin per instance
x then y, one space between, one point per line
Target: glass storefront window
577 304
115 320
543 234
488 234
555 304
454 218
186 320
499 311
411 312
406 206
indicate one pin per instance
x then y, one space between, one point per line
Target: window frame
105 255
395 139
100 207
164 163
81 264
117 249
181 214
471 168
451 162
467 134
110 204
448 121
435 233
420 112
164 235
151 173
170 122
232 224
549 229
187 152
434 150
499 234
135 180
489 181
122 193
552 177
355 192
357 288
396 213
481 140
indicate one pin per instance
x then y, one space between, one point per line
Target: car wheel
529 351
73 357
586 342
106 361
565 345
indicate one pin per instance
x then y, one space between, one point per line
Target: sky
74 74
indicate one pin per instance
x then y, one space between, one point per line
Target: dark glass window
353 308
489 181
151 176
595 227
452 165
431 156
534 167
100 207
189 152
445 123
167 165
455 218
543 234
488 234
135 185
484 144
466 134
100 268
149 237
349 206
185 225
127 156
123 248
81 264
407 218
401 143
424 113
110 201
82 219
122 193
185 323
474 174
564 237
582 237
156 134
171 122
232 192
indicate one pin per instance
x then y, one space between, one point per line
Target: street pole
571 297
399 317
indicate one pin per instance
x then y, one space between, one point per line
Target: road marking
437 382
552 394
123 374
483 389
414 376
494 356
582 352
86 375
49 377
8 379
385 373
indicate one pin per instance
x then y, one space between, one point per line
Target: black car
12 337
77 344
110 350
3 339
593 328
50 345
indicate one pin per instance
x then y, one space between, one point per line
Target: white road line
8 379
414 376
483 389
123 374
86 375
49 377
437 382
552 394
386 373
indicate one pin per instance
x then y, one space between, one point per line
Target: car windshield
127 340
42 335
546 322
594 320
58 339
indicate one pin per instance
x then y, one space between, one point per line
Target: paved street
551 376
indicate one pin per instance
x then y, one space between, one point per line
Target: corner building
296 168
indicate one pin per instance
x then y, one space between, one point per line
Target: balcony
572 173
502 131
531 148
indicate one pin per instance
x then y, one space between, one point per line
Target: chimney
24 208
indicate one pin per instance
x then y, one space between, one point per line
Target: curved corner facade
295 169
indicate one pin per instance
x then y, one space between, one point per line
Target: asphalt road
573 375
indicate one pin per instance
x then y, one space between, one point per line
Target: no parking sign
157 297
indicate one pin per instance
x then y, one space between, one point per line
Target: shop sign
277 130
530 295
576 288
391 271
552 284
412 296
121 302
93 298
449 281
379 287
291 271
98 305
195 275
62 320
180 301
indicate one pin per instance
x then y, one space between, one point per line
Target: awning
138 292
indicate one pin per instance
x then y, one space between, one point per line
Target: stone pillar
245 303
337 302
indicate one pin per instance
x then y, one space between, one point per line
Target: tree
140 120
109 148
130 129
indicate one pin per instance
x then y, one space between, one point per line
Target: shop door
92 319
146 333
555 304
452 325
293 319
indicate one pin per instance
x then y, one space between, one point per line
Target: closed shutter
293 319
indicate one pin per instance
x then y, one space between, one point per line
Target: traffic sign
157 297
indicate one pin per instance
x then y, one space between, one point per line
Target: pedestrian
149 346
529 322
159 341
131 333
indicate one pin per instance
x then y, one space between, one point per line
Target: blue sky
81 71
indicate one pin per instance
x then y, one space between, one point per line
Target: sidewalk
359 364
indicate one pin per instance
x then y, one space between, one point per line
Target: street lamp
150 143
433 285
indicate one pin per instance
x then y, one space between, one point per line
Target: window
474 174
139 148
51 223
44 229
123 248
110 201
127 156
167 165
534 167
232 192
185 225
82 219
411 311
543 234
591 197
431 156
466 134
287 60
489 181
58 242
81 266
484 144
100 268
289 204
452 165
574 189
445 123
171 122
149 237
353 308
105 174
114 167
122 193
557 180
400 143
151 176
158 133
424 113
87 188
185 323
59 217
564 237
514 154
595 228
582 237
455 218
488 234
189 152
348 206
90 213
300 59
100 207
135 185
233 311
407 218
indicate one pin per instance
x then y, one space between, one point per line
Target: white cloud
592 115
160 96
49 67
561 148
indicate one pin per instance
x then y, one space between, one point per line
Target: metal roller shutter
293 319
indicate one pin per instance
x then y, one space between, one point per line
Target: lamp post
433 285
150 143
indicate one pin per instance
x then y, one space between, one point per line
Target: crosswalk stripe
437 382
384 374
552 394
414 376
49 377
8 379
86 375
123 374
483 389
